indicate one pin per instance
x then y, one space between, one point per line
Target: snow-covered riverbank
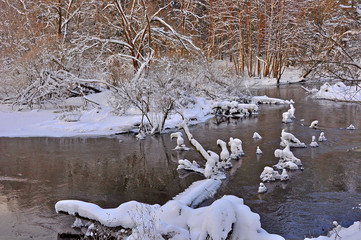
100 121
75 117
96 121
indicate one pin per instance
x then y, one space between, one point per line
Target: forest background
152 52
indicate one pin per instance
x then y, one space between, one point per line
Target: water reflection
37 172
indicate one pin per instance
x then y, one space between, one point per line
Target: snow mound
269 175
338 92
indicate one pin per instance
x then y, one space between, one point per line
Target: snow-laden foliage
328 40
48 74
169 86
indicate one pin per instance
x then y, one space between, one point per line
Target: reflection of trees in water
94 169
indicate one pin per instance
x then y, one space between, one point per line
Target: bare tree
330 40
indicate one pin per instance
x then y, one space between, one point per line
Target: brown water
37 172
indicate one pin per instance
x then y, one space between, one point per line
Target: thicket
54 49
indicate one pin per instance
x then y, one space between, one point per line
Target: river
35 173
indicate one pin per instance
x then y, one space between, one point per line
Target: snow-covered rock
262 188
224 155
141 135
180 141
239 146
286 117
287 154
284 175
256 135
313 142
208 170
292 111
287 159
259 151
314 124
269 175
234 109
282 164
351 127
235 145
322 137
290 139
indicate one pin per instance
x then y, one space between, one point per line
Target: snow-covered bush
50 72
166 86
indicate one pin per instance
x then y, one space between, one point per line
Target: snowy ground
97 121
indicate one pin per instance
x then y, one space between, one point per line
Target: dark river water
35 173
